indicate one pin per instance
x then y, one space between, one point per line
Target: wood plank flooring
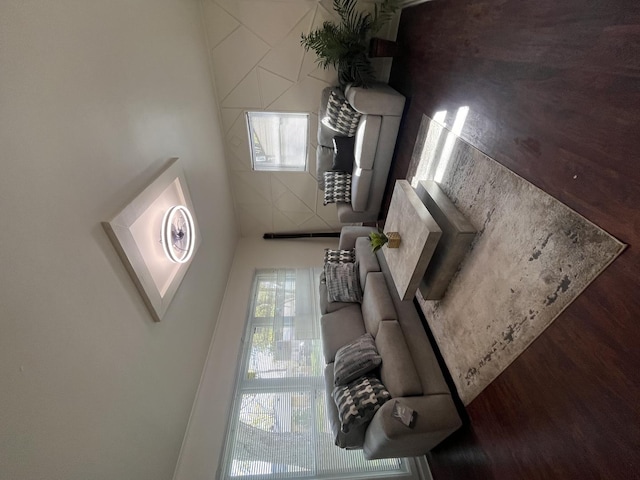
553 90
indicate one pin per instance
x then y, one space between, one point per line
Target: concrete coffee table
457 235
419 234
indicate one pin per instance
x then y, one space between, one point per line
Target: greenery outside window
278 141
278 426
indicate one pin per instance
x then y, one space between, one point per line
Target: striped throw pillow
355 359
343 282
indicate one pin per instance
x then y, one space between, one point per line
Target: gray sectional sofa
381 108
409 369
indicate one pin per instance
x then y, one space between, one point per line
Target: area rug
531 258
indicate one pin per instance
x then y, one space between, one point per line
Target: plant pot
394 239
379 47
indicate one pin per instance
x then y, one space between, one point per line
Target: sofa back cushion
360 188
339 328
324 163
366 259
398 373
325 133
377 305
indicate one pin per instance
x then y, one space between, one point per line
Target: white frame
248 114
129 247
310 385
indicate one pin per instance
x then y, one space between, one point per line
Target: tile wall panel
259 64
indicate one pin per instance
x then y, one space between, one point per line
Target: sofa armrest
387 437
378 99
349 234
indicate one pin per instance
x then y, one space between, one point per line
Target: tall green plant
344 45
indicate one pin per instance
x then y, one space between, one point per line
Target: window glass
278 141
279 426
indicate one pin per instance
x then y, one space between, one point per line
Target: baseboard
422 465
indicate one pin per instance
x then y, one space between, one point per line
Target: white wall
259 64
200 457
95 96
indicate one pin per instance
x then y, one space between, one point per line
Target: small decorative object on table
379 239
394 240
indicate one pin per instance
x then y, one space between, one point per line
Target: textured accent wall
259 64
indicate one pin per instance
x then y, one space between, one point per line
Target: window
278 141
278 426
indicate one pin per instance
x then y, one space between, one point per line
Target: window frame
313 386
256 166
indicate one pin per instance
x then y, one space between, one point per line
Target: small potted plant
379 239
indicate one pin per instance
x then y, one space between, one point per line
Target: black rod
273 236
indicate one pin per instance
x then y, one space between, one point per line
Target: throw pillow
340 115
337 187
343 153
339 256
343 282
358 402
355 359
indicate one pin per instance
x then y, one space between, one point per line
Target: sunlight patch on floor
438 146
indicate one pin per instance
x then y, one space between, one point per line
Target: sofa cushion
325 305
355 437
324 163
355 359
325 134
339 328
366 143
343 282
358 401
339 255
343 154
350 234
324 99
398 373
379 99
366 259
377 305
337 187
340 115
360 189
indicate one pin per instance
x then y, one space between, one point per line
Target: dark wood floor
553 89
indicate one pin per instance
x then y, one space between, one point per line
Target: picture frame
137 235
